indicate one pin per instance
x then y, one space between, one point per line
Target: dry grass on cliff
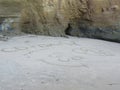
10 7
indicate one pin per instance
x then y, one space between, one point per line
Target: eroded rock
84 18
50 17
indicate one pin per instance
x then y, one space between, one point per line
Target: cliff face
49 17
85 18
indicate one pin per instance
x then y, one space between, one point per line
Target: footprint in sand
15 49
67 61
93 52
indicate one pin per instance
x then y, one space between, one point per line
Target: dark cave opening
68 30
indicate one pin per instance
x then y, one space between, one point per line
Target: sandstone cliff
84 18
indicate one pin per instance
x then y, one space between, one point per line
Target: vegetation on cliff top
10 7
